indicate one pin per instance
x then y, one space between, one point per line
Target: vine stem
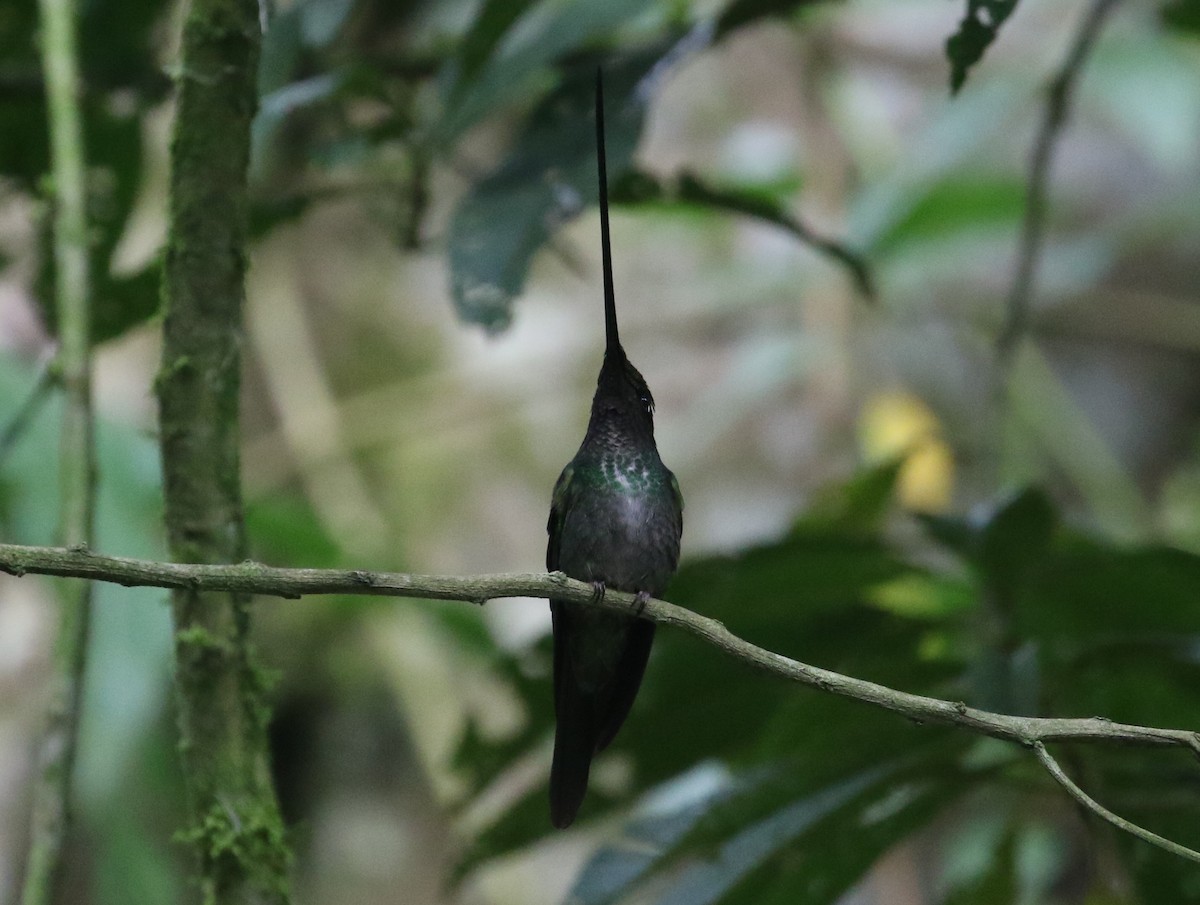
1054 117
56 756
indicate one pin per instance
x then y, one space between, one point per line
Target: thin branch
52 790
255 578
1095 807
47 379
640 187
1054 117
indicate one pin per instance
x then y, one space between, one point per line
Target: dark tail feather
628 680
574 745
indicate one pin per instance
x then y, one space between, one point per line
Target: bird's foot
597 591
639 602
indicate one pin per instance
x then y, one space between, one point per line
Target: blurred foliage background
866 489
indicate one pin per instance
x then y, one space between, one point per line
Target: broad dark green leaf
283 530
548 178
1182 16
733 861
1153 684
24 147
1155 789
475 49
1012 543
804 832
119 63
859 504
951 207
523 66
820 866
667 816
745 12
1088 589
975 34
1008 547
480 760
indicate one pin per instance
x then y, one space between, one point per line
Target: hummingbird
615 521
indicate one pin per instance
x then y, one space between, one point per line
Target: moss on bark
236 828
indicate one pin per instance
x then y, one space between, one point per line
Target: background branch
1033 226
56 761
47 379
641 187
255 578
235 828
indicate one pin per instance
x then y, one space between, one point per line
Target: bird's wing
558 508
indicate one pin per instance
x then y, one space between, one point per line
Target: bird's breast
625 530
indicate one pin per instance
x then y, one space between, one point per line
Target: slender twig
52 791
256 578
690 189
1095 807
46 380
1054 117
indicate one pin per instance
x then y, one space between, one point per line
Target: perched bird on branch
615 520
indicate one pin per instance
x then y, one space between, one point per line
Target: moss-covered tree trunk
236 828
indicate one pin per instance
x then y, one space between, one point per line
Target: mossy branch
254 578
235 827
72 303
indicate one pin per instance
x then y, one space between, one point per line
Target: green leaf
790 834
1158 791
739 857
124 302
481 760
475 49
1013 541
522 65
1008 547
993 876
667 816
859 504
820 866
547 179
118 55
745 12
1182 16
283 530
322 20
1088 589
975 33
953 206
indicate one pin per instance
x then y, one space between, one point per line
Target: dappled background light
843 458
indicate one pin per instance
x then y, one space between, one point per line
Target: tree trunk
236 827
